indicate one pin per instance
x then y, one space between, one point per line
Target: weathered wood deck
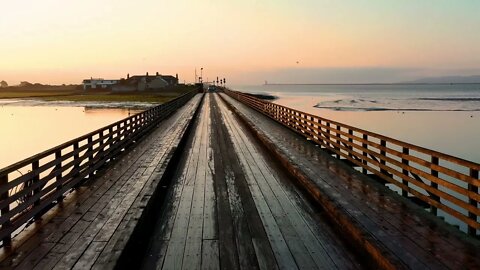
231 207
386 228
91 227
235 190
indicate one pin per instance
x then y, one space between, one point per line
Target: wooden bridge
225 180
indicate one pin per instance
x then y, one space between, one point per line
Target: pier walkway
219 185
232 207
91 226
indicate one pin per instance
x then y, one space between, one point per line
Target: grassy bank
68 93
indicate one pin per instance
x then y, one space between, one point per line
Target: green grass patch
69 94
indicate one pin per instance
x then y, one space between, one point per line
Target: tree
3 84
25 84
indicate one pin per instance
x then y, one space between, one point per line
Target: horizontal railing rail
441 181
29 187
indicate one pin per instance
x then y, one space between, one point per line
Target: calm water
445 118
28 128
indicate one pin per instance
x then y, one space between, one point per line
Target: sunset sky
58 41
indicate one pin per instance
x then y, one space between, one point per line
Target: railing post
365 154
434 185
405 172
110 141
90 156
58 178
473 202
383 143
35 179
338 141
287 114
7 240
76 161
350 141
328 136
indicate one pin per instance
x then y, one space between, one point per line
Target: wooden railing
442 182
30 187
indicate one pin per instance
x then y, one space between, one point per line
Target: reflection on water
27 130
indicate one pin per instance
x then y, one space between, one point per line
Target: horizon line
369 83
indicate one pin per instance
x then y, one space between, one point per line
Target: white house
98 83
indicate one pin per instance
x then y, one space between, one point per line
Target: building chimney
157 73
147 74
128 76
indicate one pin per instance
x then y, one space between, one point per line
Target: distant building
171 80
98 83
145 83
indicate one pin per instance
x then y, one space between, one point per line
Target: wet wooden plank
226 236
209 218
289 218
390 215
176 245
210 255
247 231
280 248
193 246
90 255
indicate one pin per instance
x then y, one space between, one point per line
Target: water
445 118
30 127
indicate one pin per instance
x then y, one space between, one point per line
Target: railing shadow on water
32 186
445 185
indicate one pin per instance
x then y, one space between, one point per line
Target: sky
245 41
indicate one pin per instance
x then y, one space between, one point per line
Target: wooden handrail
440 180
29 187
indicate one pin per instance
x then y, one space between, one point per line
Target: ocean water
29 127
442 117
445 118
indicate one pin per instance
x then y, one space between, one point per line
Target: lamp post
201 75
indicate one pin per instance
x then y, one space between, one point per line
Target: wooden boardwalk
232 208
233 189
91 227
387 229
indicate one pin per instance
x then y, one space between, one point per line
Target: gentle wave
449 99
464 104
394 109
